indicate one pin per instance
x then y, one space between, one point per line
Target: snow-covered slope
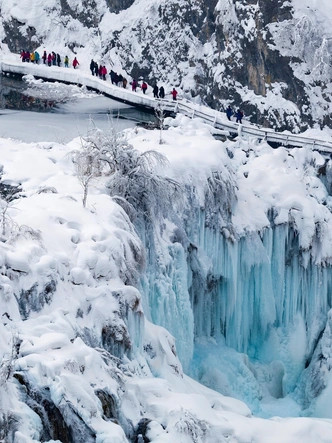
272 58
81 360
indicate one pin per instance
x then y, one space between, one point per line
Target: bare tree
134 175
87 167
160 115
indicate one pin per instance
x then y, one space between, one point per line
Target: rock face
268 56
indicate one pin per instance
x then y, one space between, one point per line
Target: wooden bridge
148 103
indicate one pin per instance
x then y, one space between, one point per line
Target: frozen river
68 118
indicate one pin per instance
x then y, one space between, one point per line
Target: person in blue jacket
229 112
239 115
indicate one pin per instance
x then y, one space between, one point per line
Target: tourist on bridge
66 61
112 75
239 116
44 57
96 69
174 93
155 91
100 72
27 56
75 63
124 82
120 80
229 112
104 72
37 57
134 85
144 87
23 55
32 57
49 59
53 58
58 60
92 67
161 92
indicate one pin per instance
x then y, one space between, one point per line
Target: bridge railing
191 110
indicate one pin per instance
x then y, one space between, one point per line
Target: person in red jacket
174 93
144 87
75 63
104 72
134 85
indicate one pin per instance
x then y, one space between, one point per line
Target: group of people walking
51 59
28 56
238 114
54 59
101 72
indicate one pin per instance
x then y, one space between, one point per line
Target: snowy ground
83 251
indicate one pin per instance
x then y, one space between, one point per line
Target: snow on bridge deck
137 99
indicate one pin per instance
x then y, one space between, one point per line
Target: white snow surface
85 251
51 237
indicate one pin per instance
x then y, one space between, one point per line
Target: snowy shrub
133 174
47 190
8 361
190 425
8 195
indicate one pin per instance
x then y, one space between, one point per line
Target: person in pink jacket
75 63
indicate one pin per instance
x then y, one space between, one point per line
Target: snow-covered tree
134 175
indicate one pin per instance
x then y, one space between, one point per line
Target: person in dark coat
44 57
120 82
229 112
239 115
92 67
161 92
53 58
124 82
155 91
112 75
96 69
134 85
58 60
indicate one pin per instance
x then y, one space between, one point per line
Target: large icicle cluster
250 255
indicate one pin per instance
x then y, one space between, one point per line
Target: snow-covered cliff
245 293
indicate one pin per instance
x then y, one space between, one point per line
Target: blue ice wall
260 295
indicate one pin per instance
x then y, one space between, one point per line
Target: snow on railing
191 110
